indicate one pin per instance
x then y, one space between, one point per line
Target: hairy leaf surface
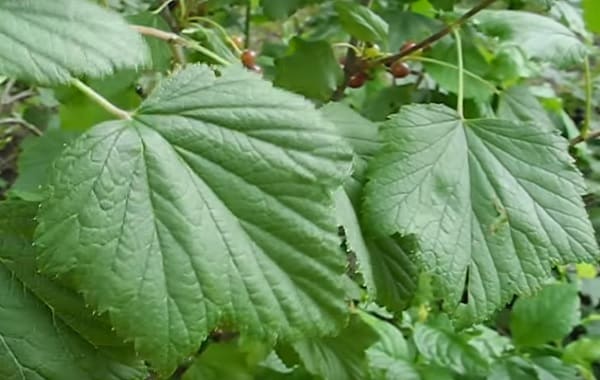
493 203
50 42
211 207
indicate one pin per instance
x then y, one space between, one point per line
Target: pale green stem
347 45
451 66
100 100
207 52
585 130
461 79
221 29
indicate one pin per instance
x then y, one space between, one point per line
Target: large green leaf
57 342
51 41
538 36
547 316
309 69
361 22
409 26
494 204
210 206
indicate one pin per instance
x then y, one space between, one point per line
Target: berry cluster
398 68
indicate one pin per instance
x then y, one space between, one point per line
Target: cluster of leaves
385 191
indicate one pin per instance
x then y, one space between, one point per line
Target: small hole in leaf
465 295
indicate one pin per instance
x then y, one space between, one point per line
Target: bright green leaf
494 204
591 15
50 42
210 206
552 368
39 342
361 22
538 36
545 317
309 69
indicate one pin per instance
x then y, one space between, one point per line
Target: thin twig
20 96
7 89
100 100
438 35
247 25
23 123
176 39
590 136
350 63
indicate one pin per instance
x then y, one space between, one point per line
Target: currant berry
248 58
407 46
357 80
399 69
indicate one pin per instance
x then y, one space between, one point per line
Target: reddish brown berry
407 46
399 69
248 58
357 80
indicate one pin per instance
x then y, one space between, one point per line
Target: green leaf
279 10
513 368
494 204
409 26
538 36
390 357
361 22
386 263
518 104
591 15
552 368
46 342
545 317
309 69
449 350
49 42
341 357
227 360
35 162
584 351
210 207
447 76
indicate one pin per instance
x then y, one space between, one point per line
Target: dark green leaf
309 69
42 342
210 206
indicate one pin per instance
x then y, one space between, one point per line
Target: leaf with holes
211 207
494 204
65 38
52 343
